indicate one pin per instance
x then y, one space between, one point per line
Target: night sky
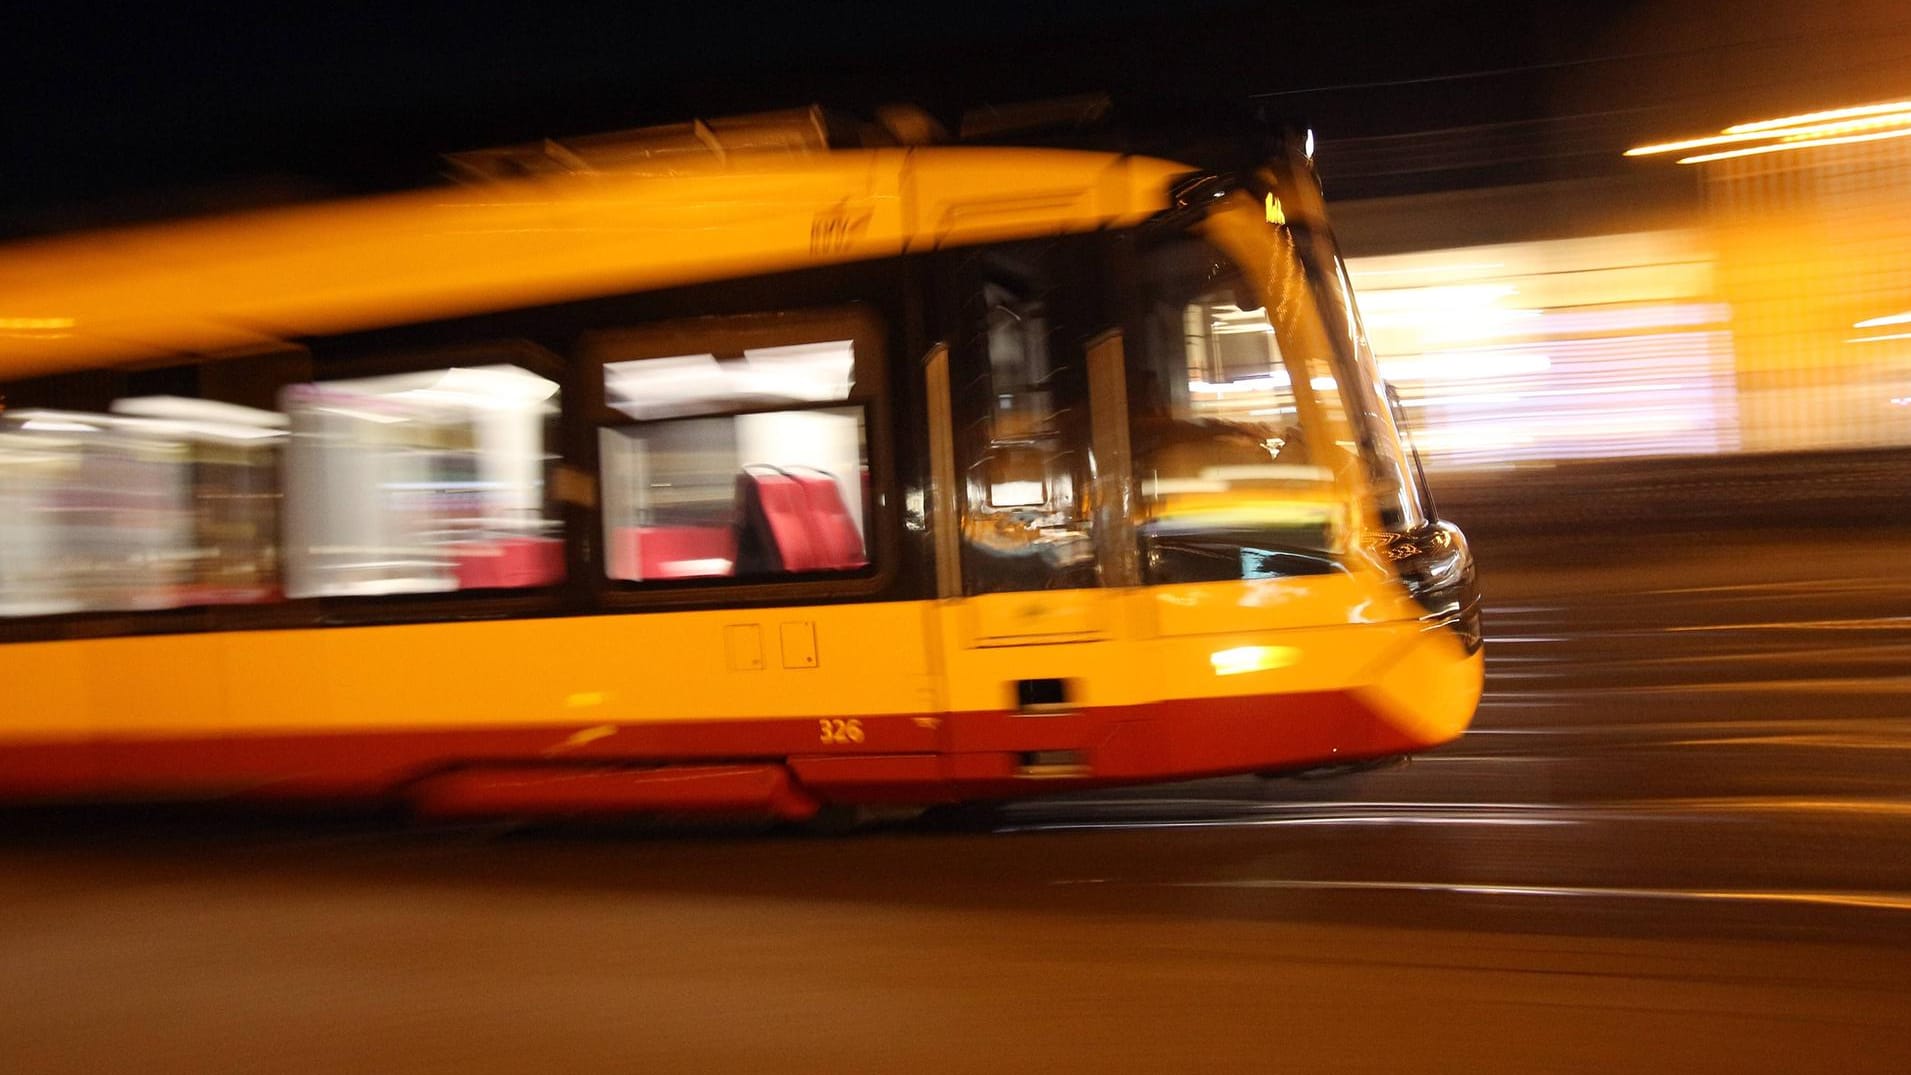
141 100
141 112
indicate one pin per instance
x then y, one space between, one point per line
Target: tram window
739 496
1231 478
1020 399
151 502
738 448
422 482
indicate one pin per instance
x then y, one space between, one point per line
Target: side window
421 482
150 502
249 481
737 447
1019 395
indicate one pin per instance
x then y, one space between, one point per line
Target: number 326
841 731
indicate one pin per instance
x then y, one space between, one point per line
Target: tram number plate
842 731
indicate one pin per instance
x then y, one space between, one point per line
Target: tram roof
236 284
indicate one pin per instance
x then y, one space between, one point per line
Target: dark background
147 112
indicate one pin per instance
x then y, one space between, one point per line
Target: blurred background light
1722 327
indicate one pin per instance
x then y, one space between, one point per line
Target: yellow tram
751 464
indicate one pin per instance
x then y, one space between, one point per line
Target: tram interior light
217 422
676 385
182 409
55 425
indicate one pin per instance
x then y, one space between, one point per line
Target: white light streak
1879 322
1820 117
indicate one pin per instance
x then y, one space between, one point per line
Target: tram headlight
1436 566
1240 660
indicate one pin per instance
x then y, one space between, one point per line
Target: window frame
731 334
429 606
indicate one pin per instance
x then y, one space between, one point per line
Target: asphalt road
1678 839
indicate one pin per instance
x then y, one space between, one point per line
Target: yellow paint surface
876 659
204 287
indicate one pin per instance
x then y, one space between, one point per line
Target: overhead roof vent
793 132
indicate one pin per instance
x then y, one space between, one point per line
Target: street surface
1678 839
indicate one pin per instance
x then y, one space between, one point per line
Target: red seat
838 542
672 552
686 552
786 510
508 563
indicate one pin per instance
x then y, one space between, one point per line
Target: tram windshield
1257 419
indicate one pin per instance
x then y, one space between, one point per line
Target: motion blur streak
1720 327
1795 132
1752 802
1879 901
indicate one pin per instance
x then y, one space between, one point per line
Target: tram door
1036 555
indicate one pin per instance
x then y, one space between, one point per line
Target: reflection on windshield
1236 482
1020 399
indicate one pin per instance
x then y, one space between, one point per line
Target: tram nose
1436 565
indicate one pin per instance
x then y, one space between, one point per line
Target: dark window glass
1021 414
